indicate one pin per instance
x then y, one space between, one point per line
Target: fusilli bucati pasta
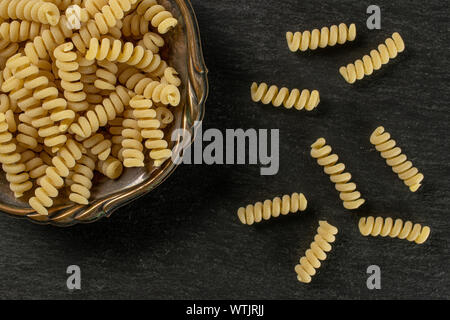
350 197
365 66
317 252
300 100
398 229
272 208
302 41
388 149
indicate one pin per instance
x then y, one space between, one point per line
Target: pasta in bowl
171 52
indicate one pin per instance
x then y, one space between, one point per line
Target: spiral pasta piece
111 167
158 15
164 116
127 53
171 76
159 92
89 124
151 41
7 49
149 130
16 31
35 116
11 161
348 194
65 160
366 66
134 25
99 146
88 70
133 155
272 208
94 6
317 252
106 75
299 100
115 130
405 170
90 30
66 62
321 38
82 176
31 10
43 46
34 164
387 227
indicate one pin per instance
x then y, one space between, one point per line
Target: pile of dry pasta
83 88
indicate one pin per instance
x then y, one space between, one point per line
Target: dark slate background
183 241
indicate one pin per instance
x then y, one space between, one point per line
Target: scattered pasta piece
317 252
272 208
365 67
387 227
299 100
395 159
350 197
321 38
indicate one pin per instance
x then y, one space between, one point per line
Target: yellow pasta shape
20 31
111 167
298 99
82 176
164 116
94 6
133 155
317 252
321 38
89 124
149 130
34 164
82 38
106 75
11 161
117 51
42 47
272 208
348 194
158 15
27 95
365 66
66 62
105 21
31 10
88 70
99 146
405 170
159 92
115 130
387 227
152 41
171 76
134 25
53 179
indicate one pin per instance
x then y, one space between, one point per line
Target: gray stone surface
184 241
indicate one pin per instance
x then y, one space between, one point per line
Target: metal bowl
185 54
